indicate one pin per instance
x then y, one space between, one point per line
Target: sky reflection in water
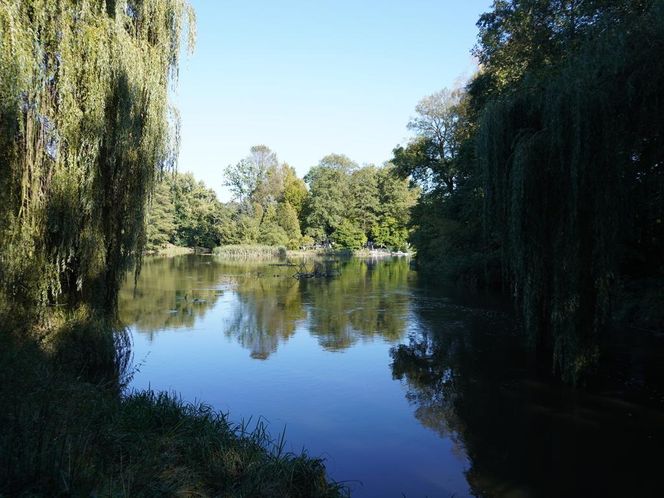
401 388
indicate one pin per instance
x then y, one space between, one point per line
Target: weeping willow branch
84 131
573 171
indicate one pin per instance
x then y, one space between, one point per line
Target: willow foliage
573 178
85 127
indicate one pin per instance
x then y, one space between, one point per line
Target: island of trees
337 204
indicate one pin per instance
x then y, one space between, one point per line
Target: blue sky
308 78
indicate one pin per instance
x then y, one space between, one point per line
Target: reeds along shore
280 252
71 429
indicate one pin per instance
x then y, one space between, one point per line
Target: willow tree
574 180
85 128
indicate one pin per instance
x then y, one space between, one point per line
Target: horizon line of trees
338 203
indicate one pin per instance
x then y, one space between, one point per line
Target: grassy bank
171 250
249 251
68 430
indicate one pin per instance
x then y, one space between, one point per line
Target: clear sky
312 77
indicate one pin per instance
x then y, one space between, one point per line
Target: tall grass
247 251
68 431
250 251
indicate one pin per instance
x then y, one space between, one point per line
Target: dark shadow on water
469 377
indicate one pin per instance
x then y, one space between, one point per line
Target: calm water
403 389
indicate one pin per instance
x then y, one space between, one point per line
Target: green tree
271 232
349 236
200 219
396 200
327 204
84 132
545 155
295 190
287 219
364 199
430 159
160 221
245 178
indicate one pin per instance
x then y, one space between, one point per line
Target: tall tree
245 177
430 158
84 130
364 199
327 204
295 190
288 220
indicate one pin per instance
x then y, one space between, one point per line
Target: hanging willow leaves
574 177
85 127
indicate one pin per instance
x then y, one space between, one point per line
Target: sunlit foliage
85 126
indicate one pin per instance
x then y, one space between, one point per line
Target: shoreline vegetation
542 178
266 252
69 430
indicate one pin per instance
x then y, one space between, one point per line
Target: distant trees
269 197
329 194
351 206
183 211
340 203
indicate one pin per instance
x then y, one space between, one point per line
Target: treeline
544 176
337 204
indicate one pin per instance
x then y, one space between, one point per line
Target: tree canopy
85 127
552 186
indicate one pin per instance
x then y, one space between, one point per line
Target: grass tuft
68 430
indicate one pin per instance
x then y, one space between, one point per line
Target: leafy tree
295 190
84 132
327 204
187 213
198 213
270 232
396 200
430 159
364 199
287 219
245 177
555 176
349 236
160 221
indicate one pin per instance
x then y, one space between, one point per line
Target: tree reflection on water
468 378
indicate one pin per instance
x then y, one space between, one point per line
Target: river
403 388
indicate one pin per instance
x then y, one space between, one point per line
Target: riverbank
263 252
68 428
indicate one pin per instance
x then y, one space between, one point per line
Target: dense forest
338 203
544 176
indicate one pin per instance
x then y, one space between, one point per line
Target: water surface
405 390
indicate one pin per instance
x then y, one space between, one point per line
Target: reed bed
247 251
